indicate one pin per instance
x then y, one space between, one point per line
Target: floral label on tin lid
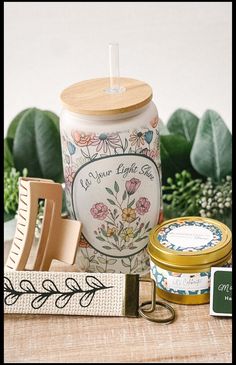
189 236
129 193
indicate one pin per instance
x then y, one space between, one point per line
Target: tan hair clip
59 237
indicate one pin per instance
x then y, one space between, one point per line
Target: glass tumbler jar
112 170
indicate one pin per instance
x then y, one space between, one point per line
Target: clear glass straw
114 69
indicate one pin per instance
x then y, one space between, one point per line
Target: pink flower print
69 175
83 242
104 141
150 153
154 122
81 139
99 211
143 205
132 185
164 283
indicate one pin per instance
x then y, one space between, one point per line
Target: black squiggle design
50 289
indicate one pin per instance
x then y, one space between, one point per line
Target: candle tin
112 170
182 252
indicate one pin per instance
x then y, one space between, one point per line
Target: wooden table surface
194 336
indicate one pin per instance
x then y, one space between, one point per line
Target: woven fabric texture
64 293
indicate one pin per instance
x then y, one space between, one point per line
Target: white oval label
117 199
186 236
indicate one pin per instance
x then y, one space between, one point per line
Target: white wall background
183 50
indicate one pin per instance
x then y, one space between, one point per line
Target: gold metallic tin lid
190 242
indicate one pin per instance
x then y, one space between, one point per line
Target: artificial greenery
182 194
202 146
11 177
32 146
185 196
196 157
33 142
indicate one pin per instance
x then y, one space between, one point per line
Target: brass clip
153 303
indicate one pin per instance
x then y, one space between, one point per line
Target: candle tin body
112 177
182 252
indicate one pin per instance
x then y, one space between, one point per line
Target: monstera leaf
33 139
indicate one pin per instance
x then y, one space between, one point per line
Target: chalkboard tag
221 291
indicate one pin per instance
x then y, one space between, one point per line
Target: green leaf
169 212
111 202
111 223
100 238
14 124
9 216
37 146
8 158
121 227
53 117
100 269
140 238
211 154
131 203
109 191
146 225
137 232
163 130
183 123
135 263
111 261
116 187
104 232
124 263
102 260
126 144
124 195
175 156
107 247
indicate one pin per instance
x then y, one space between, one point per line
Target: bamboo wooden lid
89 97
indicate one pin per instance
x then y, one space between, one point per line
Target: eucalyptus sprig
216 200
185 196
182 193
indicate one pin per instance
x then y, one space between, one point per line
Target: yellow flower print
127 234
111 231
128 215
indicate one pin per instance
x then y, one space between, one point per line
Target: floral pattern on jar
122 218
